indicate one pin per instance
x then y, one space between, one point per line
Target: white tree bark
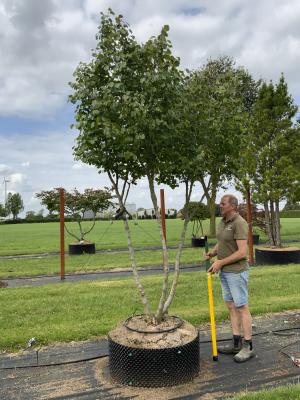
159 312
121 199
179 252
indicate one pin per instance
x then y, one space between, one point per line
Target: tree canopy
77 205
270 156
14 204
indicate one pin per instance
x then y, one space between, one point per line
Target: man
231 251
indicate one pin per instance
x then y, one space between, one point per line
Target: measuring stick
211 309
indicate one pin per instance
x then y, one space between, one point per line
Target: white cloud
4 169
42 42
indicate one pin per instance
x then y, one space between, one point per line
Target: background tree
76 205
271 152
220 97
14 204
3 211
126 111
198 212
30 215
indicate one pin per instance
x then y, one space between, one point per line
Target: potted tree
128 102
77 206
198 212
271 160
258 220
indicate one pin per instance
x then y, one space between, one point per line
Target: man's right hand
208 255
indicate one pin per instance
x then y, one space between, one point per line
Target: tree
126 113
198 212
30 215
14 204
271 153
3 211
220 94
76 205
291 205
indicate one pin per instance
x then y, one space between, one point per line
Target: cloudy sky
42 41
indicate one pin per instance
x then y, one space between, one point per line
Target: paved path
80 370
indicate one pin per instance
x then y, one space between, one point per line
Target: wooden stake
62 232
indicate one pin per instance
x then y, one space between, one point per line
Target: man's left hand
215 267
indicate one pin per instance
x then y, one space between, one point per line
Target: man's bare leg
246 321
235 318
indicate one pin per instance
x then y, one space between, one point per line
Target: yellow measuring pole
212 317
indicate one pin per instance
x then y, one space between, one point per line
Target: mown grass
90 262
290 392
39 238
66 312
16 268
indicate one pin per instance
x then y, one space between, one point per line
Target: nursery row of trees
140 115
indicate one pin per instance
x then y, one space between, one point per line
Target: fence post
62 232
250 232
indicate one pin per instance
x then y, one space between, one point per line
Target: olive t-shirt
228 232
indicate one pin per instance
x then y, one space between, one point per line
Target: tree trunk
160 309
268 222
210 193
138 283
277 222
179 252
273 223
212 210
140 287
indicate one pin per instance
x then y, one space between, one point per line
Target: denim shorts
235 287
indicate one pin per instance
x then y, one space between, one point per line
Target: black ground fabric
79 370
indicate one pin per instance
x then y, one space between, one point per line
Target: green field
44 237
15 268
90 262
68 311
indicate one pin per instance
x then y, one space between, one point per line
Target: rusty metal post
163 213
250 232
62 232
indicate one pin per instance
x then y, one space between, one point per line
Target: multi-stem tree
127 113
77 205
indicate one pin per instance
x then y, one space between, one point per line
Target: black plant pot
199 241
269 256
81 248
153 367
255 239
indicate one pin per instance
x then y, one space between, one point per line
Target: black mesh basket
153 367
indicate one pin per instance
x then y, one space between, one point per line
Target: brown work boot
230 348
245 354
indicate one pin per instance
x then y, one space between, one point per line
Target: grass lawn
92 262
39 238
290 392
66 311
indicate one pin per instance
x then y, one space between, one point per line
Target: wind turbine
5 181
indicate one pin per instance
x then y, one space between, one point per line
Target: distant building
131 208
89 214
150 213
112 210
